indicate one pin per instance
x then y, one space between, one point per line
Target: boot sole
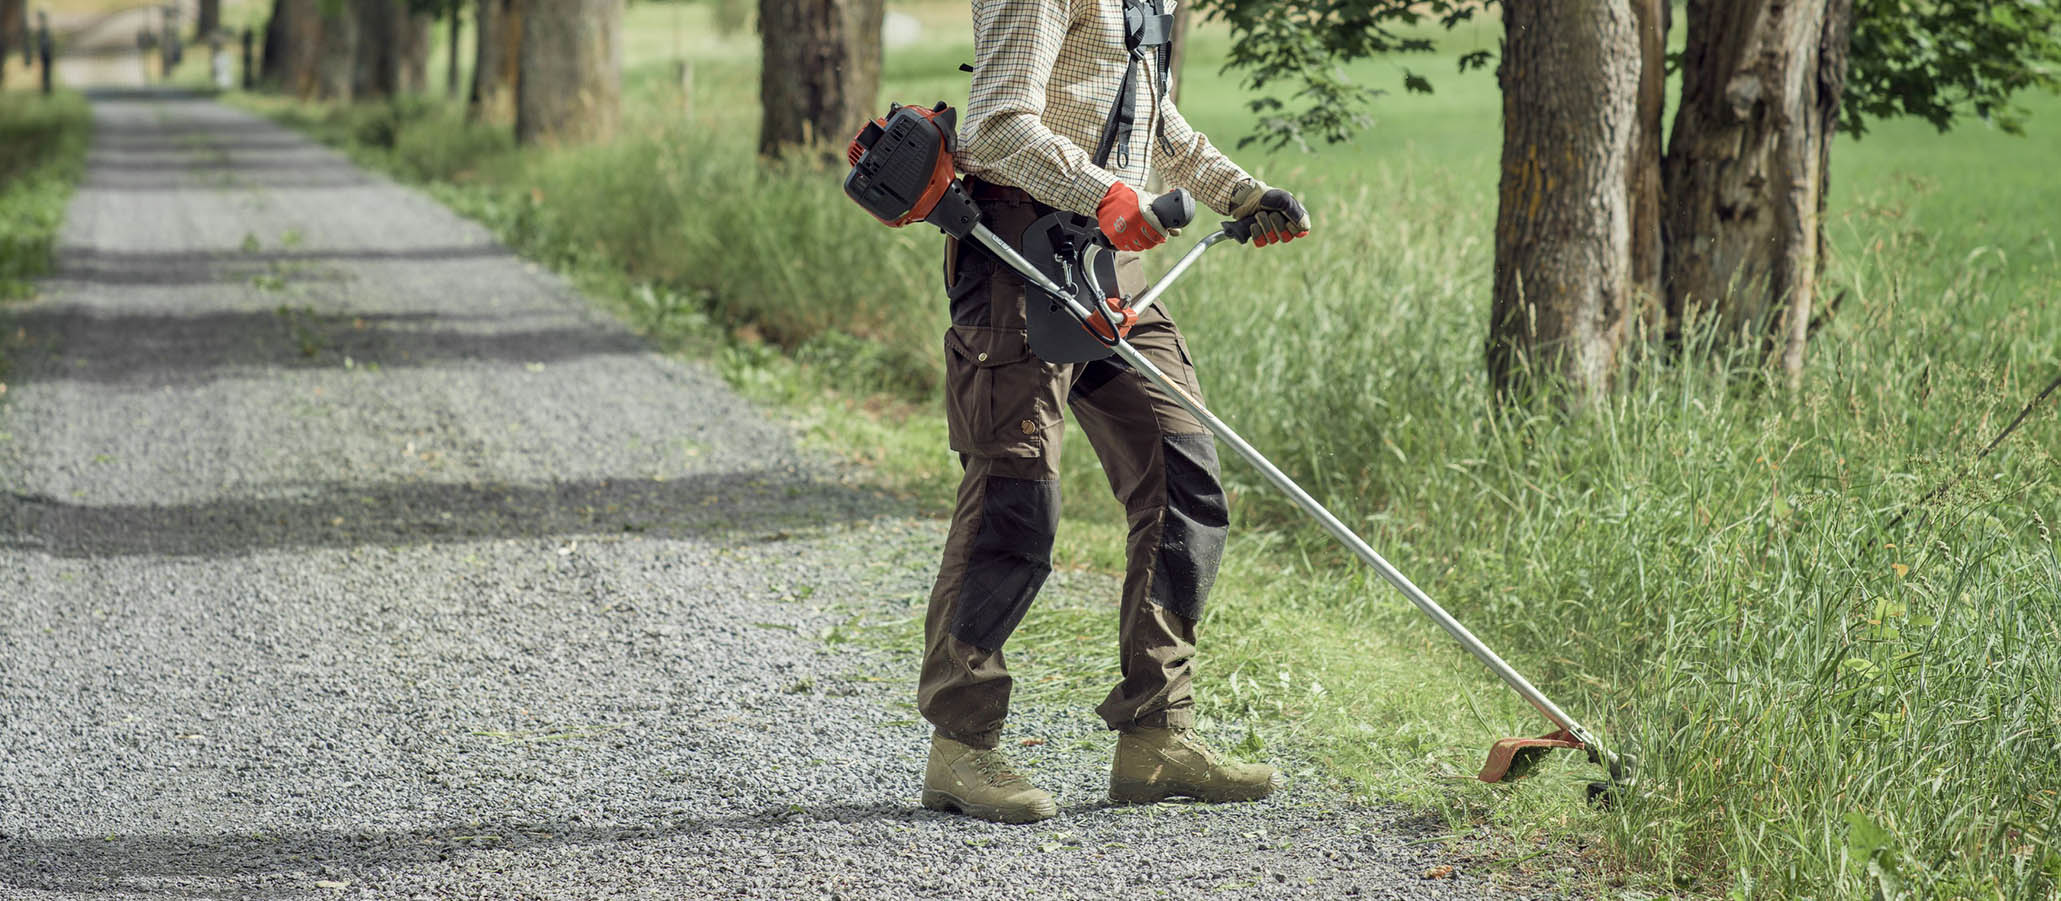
1130 791
949 803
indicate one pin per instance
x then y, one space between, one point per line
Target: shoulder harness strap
1147 27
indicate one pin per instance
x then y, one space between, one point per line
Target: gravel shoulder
343 554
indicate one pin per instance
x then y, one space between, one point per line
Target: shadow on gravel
284 864
182 142
310 177
110 267
186 161
768 505
117 92
157 349
134 142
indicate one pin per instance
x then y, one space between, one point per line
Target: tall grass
1703 567
1824 705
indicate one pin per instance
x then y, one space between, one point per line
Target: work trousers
1003 411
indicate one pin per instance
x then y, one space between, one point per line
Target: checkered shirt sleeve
1045 75
1190 161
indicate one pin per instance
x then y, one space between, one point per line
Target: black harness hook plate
1057 244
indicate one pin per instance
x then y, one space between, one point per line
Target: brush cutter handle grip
1240 230
1175 208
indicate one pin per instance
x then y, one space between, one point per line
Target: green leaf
1865 837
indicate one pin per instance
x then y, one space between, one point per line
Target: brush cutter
902 172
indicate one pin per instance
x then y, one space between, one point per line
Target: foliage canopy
1933 59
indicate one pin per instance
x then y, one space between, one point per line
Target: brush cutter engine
902 170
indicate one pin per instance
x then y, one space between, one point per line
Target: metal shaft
1287 486
1166 281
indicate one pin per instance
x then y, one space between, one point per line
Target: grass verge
1703 569
42 155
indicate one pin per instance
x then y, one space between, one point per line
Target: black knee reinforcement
1192 531
1010 557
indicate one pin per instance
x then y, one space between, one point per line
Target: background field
1703 569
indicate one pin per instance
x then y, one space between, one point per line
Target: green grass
1701 570
42 155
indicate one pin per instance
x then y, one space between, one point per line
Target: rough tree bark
1644 168
570 87
1570 77
821 74
1745 173
496 61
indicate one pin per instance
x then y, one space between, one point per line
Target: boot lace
1208 754
995 768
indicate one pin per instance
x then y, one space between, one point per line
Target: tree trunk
14 26
1745 173
1570 77
1175 62
451 65
1644 169
374 74
272 60
207 19
496 58
1184 15
336 53
820 76
411 51
570 87
393 49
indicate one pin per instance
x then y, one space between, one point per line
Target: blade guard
1516 758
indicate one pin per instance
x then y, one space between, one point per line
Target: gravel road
343 554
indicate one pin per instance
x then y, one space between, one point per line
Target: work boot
1157 764
978 782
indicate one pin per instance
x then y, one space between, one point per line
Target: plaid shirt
1045 75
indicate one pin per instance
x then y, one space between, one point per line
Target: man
1068 111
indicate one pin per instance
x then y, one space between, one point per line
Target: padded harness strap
1147 26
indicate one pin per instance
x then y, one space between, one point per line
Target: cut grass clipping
1701 569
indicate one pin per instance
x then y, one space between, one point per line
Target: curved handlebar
1240 230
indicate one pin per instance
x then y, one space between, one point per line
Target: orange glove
1129 224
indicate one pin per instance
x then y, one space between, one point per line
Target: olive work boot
979 783
1157 764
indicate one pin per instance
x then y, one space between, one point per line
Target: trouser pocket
1000 400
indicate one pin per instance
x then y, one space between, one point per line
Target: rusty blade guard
1516 758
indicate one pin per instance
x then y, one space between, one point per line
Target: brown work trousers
1003 410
